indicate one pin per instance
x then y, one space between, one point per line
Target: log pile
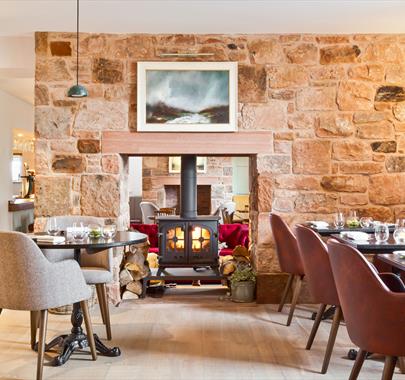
228 264
134 268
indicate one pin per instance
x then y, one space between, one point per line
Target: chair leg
361 356
332 337
389 367
106 311
43 321
297 290
285 292
315 326
402 364
100 301
89 329
34 327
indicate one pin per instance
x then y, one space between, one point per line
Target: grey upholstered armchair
28 281
96 267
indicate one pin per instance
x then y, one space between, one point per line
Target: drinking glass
109 231
366 222
53 228
381 233
339 220
399 235
78 231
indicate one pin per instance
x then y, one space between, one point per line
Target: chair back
318 272
21 262
102 259
286 246
148 209
375 316
28 281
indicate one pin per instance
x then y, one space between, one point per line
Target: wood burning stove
188 240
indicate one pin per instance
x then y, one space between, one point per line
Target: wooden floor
190 333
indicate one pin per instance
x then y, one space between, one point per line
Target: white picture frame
169 101
175 164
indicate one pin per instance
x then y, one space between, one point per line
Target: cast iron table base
76 340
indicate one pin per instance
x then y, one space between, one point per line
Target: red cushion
149 229
154 250
234 234
225 252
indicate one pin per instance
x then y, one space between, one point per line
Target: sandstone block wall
335 105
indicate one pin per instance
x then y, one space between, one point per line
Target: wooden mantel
207 144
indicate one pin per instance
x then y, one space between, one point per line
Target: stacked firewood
134 268
228 264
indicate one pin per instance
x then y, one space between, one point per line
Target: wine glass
400 223
339 220
78 231
381 233
366 221
53 228
109 231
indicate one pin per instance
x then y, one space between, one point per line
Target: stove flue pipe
188 186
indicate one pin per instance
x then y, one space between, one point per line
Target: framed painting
175 164
187 96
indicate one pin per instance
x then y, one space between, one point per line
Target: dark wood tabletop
371 246
395 261
121 238
333 230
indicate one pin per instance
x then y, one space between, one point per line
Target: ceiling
204 16
23 17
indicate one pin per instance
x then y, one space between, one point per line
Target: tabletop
121 238
333 230
393 260
372 245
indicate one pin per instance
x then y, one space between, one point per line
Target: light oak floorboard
190 333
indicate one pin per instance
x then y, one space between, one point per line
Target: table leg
77 339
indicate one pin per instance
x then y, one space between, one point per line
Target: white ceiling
204 16
24 17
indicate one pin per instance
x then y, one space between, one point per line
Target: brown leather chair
318 272
289 259
374 314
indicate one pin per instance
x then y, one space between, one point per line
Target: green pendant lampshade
77 91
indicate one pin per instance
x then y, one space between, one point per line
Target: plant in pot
243 283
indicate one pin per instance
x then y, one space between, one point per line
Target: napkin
355 235
50 239
319 223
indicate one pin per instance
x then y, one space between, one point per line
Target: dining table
77 339
396 263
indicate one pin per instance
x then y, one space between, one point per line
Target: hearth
188 240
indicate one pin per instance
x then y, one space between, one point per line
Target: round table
77 339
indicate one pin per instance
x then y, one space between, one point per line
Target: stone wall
335 105
156 175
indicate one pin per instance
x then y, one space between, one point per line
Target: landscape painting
186 96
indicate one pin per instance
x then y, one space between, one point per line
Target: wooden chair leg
100 301
43 321
332 337
402 364
361 356
389 367
89 329
315 326
34 327
106 311
297 290
285 293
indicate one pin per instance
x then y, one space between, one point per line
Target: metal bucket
243 291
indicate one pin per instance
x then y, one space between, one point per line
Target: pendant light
77 91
